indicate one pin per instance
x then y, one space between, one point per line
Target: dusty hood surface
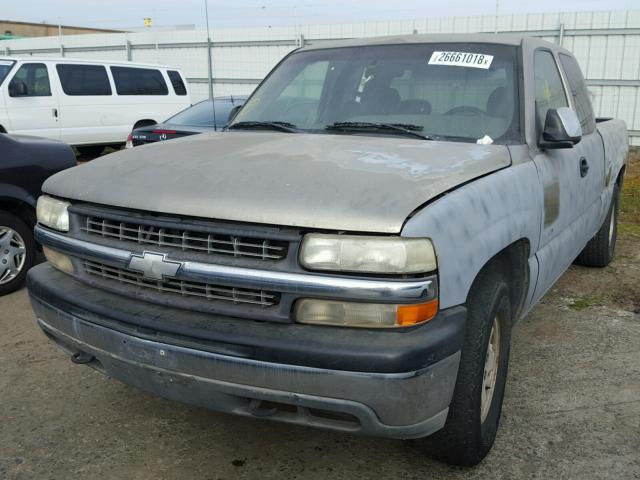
337 182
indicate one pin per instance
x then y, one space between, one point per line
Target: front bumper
398 405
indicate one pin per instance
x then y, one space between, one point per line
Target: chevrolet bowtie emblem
154 265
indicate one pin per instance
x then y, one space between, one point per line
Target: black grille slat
181 287
187 240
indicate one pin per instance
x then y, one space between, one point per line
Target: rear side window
201 114
579 92
31 80
176 81
139 81
549 89
84 79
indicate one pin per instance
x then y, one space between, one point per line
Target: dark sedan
25 163
196 119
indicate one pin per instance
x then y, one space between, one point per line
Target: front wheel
17 252
474 413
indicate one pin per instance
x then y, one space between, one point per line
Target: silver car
353 251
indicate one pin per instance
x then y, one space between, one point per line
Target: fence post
561 34
127 46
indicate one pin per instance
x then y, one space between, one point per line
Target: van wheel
601 248
474 412
91 150
17 252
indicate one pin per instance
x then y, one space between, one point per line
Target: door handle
584 167
55 112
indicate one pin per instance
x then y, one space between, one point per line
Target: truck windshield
5 67
455 91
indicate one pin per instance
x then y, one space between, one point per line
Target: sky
238 13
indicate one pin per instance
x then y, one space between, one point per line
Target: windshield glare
430 86
5 67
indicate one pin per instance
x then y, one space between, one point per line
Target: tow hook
255 407
81 358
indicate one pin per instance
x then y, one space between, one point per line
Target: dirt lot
572 407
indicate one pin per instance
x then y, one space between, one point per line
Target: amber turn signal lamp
407 315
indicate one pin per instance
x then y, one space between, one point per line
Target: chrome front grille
186 239
180 287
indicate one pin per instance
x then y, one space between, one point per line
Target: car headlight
367 254
53 213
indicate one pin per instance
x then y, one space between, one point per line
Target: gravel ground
572 406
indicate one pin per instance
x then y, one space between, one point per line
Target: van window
5 68
579 92
549 89
35 78
139 81
176 81
84 79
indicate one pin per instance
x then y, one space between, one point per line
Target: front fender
13 193
470 225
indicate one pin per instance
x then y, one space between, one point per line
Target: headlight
53 213
353 253
370 315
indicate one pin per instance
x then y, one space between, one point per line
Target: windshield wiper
401 128
270 125
454 138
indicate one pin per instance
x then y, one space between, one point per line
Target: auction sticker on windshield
461 59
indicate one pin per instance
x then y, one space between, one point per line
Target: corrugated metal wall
607 45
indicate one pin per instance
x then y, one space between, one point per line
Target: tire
600 250
15 236
470 429
91 150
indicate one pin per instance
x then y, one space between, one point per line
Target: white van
88 104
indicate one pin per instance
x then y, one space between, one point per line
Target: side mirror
561 129
18 89
234 111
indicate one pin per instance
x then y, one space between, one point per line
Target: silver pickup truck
353 251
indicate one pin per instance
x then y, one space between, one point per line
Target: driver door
559 173
31 106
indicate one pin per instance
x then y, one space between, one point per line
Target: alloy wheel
13 254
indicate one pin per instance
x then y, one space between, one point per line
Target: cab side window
31 80
549 89
580 93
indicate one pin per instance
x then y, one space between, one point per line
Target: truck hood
336 182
